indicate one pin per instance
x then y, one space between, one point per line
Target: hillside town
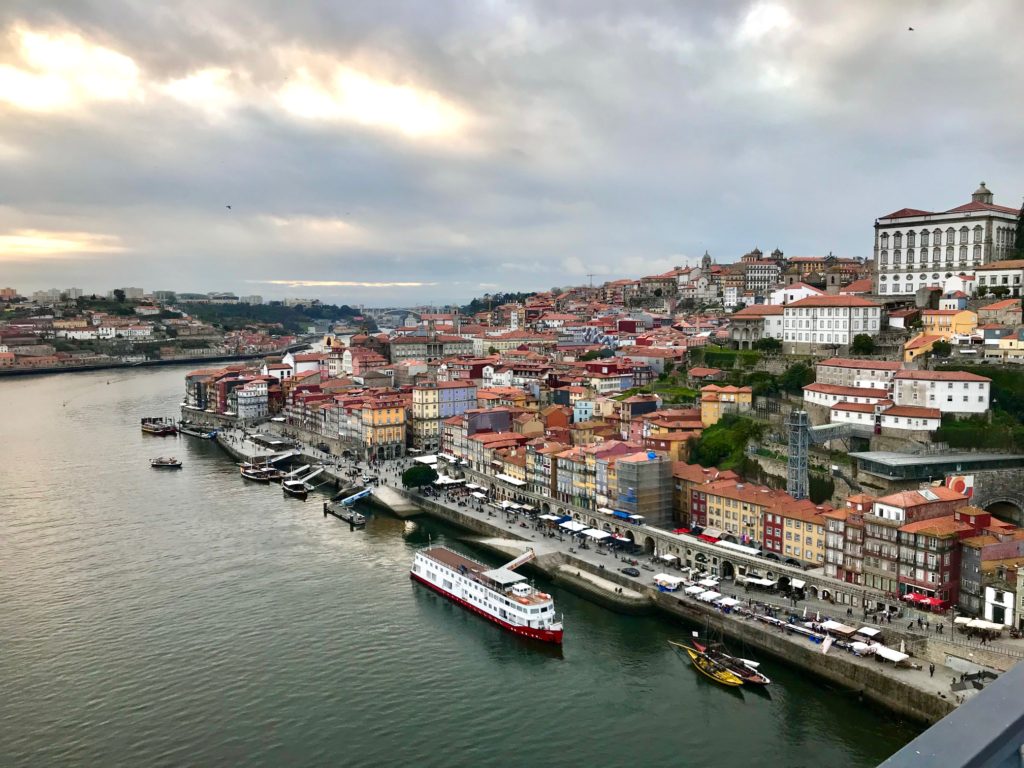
827 412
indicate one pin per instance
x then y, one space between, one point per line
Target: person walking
931 670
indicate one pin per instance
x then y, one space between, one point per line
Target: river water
190 618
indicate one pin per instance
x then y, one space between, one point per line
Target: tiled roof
836 389
877 365
940 376
833 301
913 411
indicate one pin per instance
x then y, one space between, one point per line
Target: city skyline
436 157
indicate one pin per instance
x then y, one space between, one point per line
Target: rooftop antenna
591 276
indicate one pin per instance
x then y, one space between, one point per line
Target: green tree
492 351
796 377
119 295
999 291
593 354
768 344
942 348
863 344
418 475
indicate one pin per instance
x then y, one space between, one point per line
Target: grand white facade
915 248
949 391
819 321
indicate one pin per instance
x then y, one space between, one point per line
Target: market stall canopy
664 578
838 628
549 517
431 460
761 582
869 632
510 480
572 525
694 590
594 533
473 486
729 602
667 558
709 596
962 620
797 583
708 582
478 495
889 654
982 624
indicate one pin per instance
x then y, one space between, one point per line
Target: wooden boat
295 488
743 668
155 425
256 474
709 667
165 462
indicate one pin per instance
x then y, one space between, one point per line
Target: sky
397 153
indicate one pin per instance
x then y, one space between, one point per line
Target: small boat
155 425
256 474
196 431
348 514
709 667
165 462
295 488
744 668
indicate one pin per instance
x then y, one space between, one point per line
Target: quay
593 573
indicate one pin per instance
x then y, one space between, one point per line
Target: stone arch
728 570
783 583
791 561
648 545
593 522
1010 510
545 508
812 591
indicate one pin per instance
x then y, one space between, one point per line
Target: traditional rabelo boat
709 667
743 668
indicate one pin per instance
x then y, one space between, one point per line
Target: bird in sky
228 207
910 29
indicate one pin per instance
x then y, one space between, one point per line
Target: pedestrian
931 670
910 626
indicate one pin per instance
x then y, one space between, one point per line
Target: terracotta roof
858 286
940 376
974 207
903 213
946 525
759 310
913 411
906 499
858 407
1000 305
700 372
921 341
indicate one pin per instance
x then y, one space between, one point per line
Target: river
166 618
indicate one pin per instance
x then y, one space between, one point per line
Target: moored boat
709 667
165 462
497 594
745 669
256 474
156 425
295 488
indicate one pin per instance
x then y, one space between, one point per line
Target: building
847 372
716 402
254 299
251 400
735 509
844 539
751 324
915 249
432 404
798 532
819 322
955 392
1006 274
644 486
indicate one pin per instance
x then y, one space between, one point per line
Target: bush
768 344
795 378
722 445
863 344
942 348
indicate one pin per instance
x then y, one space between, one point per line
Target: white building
755 322
828 395
999 605
251 300
915 248
1007 274
948 391
828 321
251 399
790 293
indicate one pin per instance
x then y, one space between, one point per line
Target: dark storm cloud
545 140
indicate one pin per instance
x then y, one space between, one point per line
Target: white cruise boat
498 594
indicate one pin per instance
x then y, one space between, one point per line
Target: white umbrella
817 615
805 611
903 646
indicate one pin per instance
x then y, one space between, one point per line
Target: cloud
517 145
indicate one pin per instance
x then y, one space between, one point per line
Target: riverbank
192 361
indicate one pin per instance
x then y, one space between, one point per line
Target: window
950 236
924 237
897 240
963 234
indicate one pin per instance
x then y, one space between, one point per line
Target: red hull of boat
543 635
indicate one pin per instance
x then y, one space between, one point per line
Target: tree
119 295
863 344
669 367
591 355
999 291
796 377
492 351
942 348
768 344
418 475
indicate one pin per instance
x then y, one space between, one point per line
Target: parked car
630 571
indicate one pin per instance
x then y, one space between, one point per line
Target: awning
694 590
431 460
761 582
620 537
729 602
797 583
869 631
549 517
708 596
606 511
473 486
667 580
527 507
982 624
666 558
573 526
478 495
510 480
713 533
596 534
962 620
837 627
708 582
889 654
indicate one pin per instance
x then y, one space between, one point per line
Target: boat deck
478 572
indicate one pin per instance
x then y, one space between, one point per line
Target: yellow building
716 401
803 531
948 323
918 346
383 428
739 508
